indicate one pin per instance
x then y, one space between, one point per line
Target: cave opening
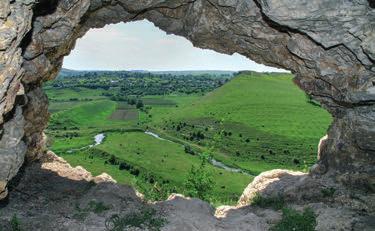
327 45
149 109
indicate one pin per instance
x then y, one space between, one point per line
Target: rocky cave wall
328 44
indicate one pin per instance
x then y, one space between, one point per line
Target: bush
113 160
146 218
135 172
93 206
156 191
189 150
139 104
293 220
15 223
98 207
328 192
268 202
200 181
124 166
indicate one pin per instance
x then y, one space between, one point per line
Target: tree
139 104
200 181
131 101
189 150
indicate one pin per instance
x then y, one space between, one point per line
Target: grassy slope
270 111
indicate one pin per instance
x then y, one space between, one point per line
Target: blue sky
142 46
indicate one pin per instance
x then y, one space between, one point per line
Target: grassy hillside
263 121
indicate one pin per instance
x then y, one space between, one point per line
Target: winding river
213 161
98 139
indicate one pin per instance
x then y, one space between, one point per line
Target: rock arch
328 45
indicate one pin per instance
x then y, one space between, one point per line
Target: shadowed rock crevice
44 7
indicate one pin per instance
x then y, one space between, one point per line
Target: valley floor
255 122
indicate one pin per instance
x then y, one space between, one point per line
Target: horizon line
145 70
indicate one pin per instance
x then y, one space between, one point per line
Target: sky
142 46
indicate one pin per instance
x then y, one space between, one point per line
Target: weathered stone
4 9
66 195
12 149
328 45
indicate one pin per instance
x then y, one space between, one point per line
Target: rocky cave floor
51 195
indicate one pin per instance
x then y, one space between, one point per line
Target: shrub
293 220
97 207
154 192
268 202
296 161
93 206
200 181
112 160
146 218
15 223
124 166
189 150
328 192
135 172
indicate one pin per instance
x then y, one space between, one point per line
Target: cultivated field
124 114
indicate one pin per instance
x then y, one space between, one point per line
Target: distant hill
202 72
70 73
67 72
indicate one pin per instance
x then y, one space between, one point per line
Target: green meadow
255 122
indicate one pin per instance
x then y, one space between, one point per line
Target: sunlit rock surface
52 195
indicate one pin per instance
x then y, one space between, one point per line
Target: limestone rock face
327 44
52 195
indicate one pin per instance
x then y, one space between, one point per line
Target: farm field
255 122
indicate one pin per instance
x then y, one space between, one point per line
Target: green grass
56 106
293 220
159 112
158 101
162 159
268 202
79 93
145 218
271 125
